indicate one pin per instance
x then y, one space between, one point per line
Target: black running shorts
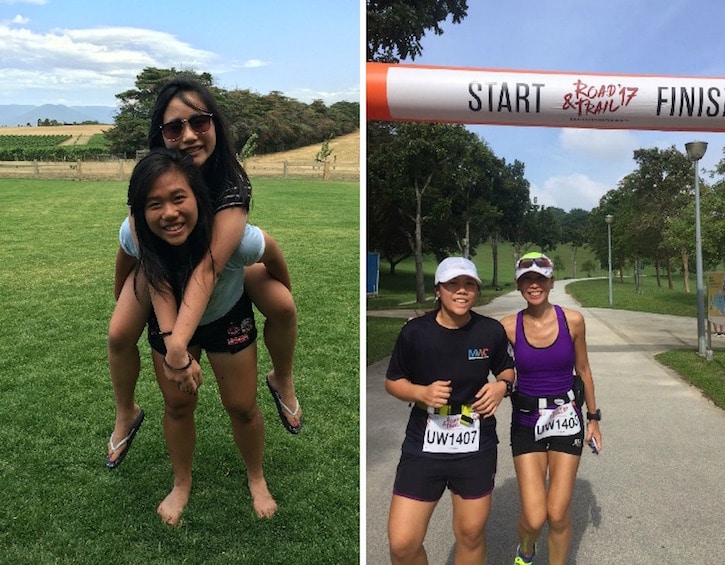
522 441
425 478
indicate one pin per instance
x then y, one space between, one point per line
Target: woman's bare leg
124 362
276 304
236 375
180 436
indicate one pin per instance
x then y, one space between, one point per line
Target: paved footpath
656 493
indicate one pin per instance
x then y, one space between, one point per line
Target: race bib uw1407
447 434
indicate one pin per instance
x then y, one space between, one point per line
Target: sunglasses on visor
200 123
542 262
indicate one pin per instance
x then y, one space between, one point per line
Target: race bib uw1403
557 422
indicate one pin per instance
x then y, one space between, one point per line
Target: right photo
544 282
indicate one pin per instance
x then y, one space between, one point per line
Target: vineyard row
49 148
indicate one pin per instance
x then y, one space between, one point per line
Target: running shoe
521 559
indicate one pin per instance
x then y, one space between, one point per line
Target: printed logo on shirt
478 353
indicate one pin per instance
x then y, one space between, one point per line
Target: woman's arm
435 394
227 232
581 365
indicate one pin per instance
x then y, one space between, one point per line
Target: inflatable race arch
402 92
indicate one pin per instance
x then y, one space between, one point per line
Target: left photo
180 204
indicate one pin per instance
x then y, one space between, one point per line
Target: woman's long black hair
222 168
164 265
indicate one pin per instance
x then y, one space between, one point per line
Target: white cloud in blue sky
573 168
84 53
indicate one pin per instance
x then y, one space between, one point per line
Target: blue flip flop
125 441
282 408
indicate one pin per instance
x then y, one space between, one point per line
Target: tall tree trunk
686 270
669 273
657 273
418 251
467 241
636 275
494 258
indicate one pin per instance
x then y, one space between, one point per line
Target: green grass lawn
59 503
708 376
594 293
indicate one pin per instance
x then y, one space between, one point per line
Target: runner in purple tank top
547 428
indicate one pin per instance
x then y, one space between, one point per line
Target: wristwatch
509 387
595 415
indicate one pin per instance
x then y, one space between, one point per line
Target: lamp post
695 152
609 219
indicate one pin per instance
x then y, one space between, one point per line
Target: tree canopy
277 122
395 28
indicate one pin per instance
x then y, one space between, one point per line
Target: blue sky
573 168
77 52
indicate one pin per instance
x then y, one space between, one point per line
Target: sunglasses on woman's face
200 123
542 262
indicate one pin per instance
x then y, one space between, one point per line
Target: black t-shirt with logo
426 352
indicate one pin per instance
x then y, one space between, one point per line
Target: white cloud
254 64
605 145
64 61
571 191
307 95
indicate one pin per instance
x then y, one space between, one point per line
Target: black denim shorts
231 333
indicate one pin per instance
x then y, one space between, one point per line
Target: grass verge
708 376
594 293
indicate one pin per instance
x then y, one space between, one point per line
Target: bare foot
286 389
173 505
121 430
264 505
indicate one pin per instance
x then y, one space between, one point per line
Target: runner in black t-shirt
441 363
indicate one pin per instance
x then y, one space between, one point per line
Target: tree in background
385 221
510 197
573 232
279 123
414 183
395 28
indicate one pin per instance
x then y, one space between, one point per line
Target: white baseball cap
452 267
534 263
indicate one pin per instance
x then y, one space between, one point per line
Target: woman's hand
186 373
437 394
489 397
594 432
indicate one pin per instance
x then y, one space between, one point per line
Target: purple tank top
544 371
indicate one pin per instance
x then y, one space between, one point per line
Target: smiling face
457 296
171 210
199 146
535 288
